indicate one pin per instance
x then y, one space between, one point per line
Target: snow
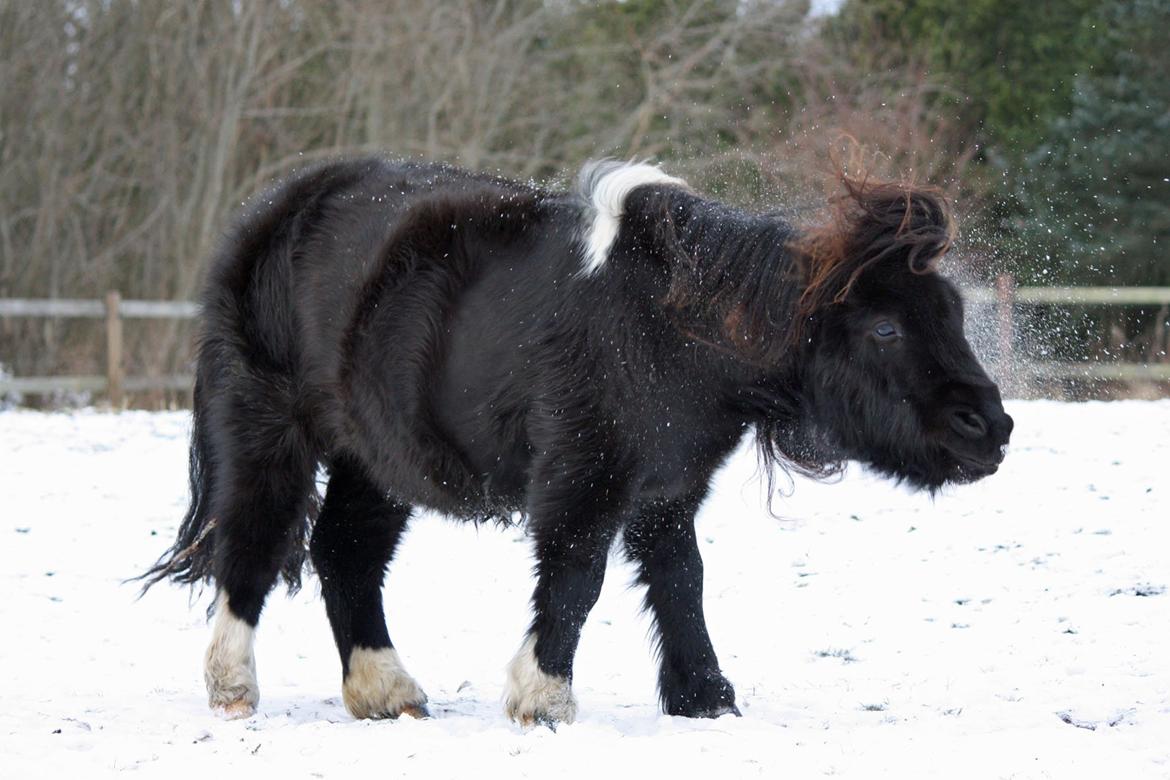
1013 628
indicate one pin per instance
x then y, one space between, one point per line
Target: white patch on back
229 668
604 185
534 696
377 685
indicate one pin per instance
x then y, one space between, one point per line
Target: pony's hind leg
572 530
353 542
264 487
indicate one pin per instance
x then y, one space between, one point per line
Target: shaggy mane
868 223
751 283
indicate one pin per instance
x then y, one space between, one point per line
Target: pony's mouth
969 468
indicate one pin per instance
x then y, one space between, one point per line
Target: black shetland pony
441 339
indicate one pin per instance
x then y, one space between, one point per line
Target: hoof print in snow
1080 724
1142 590
1092 725
845 655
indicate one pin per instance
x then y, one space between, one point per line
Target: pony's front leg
571 551
661 540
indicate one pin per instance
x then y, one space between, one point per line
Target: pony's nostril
968 423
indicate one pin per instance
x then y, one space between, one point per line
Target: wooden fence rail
1008 298
1005 295
113 310
1147 296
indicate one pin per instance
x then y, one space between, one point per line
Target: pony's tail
191 558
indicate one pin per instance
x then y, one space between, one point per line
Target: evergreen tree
1096 192
1007 66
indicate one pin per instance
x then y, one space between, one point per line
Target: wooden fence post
1005 299
114 371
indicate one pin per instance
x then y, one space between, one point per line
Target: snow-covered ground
1015 628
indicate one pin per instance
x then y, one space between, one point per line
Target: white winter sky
824 7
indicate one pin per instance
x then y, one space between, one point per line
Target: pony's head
885 373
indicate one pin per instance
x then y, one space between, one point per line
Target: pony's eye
886 331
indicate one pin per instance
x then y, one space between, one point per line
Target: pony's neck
731 276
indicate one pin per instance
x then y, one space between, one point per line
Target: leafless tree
129 131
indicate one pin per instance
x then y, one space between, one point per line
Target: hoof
377 686
550 711
534 697
708 695
236 710
229 668
717 712
416 711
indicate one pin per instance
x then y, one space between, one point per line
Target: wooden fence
1008 298
114 384
1005 295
